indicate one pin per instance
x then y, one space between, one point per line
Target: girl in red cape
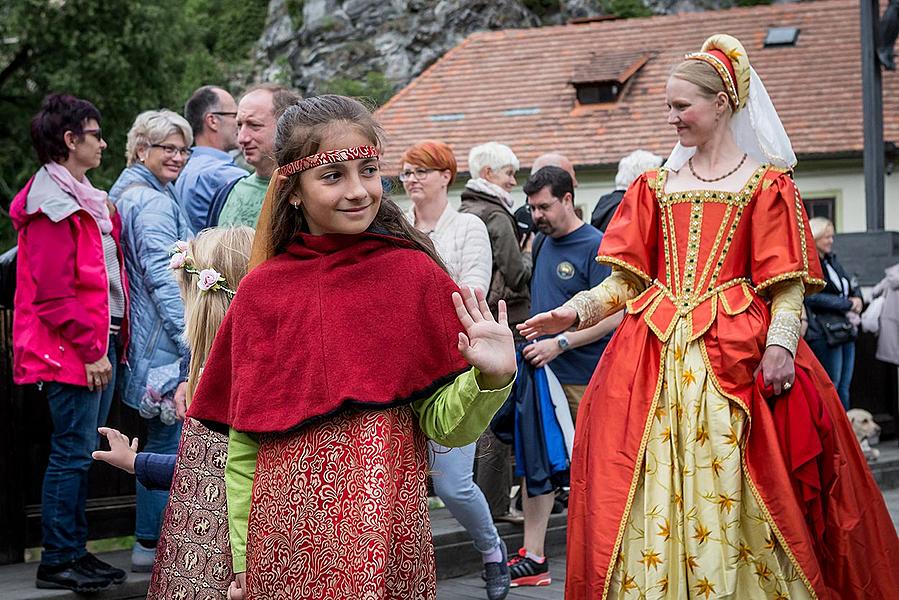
691 478
342 350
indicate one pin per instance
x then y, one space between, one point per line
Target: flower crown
209 279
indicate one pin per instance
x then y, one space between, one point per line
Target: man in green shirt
257 116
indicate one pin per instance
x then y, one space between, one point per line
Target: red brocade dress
334 361
685 483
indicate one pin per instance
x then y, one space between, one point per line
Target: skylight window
781 36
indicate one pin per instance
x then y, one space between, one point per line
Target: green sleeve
239 471
459 412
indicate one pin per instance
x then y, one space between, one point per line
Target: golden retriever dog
864 426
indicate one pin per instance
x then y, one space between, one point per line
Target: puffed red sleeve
782 244
631 239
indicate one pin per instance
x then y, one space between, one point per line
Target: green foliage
542 8
295 12
625 9
375 86
124 56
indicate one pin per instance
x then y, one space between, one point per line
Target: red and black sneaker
527 571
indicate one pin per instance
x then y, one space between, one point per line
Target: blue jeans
162 439
839 362
452 472
76 413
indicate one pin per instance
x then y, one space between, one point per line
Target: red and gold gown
680 487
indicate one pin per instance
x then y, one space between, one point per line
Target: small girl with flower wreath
193 557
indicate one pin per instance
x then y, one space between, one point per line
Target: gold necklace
725 176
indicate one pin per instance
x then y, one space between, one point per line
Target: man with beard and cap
563 258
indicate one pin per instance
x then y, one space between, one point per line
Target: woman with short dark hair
70 324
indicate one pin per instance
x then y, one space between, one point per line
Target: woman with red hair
429 168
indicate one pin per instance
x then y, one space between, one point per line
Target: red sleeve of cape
371 325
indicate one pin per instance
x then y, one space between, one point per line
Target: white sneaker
142 558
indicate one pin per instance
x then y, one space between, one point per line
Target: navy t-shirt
562 268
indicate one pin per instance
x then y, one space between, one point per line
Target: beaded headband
208 279
331 156
725 70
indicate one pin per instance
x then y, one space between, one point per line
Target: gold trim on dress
638 470
611 260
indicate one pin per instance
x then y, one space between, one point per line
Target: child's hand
237 587
487 343
120 453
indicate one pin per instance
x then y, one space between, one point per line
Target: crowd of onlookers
97 307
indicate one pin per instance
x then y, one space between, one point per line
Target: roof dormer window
602 80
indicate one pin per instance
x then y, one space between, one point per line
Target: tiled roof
514 86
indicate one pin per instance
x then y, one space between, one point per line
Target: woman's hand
548 323
121 453
236 591
857 305
98 374
486 344
777 368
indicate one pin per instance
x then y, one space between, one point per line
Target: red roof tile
514 86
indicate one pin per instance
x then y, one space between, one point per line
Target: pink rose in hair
177 261
181 246
208 279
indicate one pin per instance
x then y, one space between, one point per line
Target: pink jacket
61 318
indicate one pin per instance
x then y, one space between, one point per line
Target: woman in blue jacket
152 221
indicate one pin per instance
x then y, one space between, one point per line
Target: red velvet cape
336 321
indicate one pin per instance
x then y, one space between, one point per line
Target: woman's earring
296 205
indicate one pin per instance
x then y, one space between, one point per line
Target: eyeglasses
541 207
171 151
419 174
224 114
97 133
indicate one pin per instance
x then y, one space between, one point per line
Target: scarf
87 196
485 187
335 322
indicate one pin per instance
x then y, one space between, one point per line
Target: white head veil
757 131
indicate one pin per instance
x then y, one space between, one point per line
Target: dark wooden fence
25 429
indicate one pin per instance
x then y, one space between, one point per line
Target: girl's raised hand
121 453
548 323
486 343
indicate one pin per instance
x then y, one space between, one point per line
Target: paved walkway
471 587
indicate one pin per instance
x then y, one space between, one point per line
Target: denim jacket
152 221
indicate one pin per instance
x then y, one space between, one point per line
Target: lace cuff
784 331
610 296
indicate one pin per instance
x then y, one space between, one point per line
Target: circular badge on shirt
565 270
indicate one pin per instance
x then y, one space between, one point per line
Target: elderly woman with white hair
629 168
487 195
833 313
152 222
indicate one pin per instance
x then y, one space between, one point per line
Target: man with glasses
563 258
212 114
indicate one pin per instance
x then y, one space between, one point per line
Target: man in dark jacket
492 167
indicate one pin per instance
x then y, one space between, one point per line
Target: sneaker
142 558
73 576
102 568
526 571
496 574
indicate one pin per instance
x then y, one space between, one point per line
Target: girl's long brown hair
300 132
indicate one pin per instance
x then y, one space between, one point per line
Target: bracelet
784 331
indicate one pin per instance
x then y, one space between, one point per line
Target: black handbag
837 328
8 277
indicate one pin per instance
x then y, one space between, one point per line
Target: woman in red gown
713 458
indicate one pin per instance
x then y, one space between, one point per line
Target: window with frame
821 207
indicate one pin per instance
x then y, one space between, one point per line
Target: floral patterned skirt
193 557
340 511
695 528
